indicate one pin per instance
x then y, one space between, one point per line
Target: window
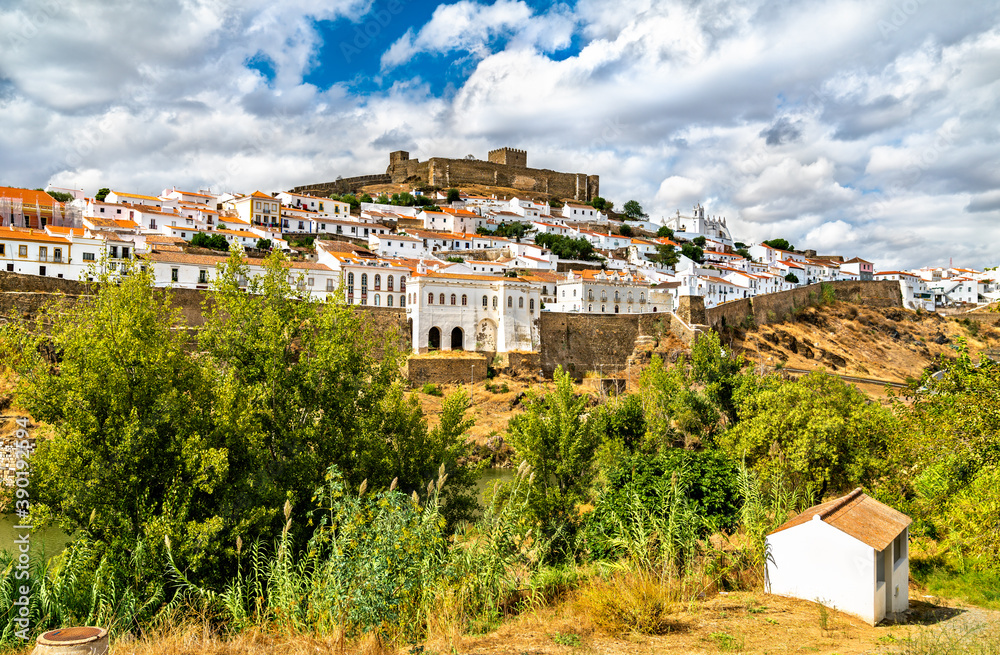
617 296
43 253
520 303
378 282
329 284
87 256
2 249
453 299
124 252
590 308
388 283
486 302
465 300
494 302
376 300
898 547
309 281
114 251
22 251
102 210
173 274
350 284
510 301
430 299
10 269
402 283
441 298
531 305
590 295
202 276
57 254
388 300
119 211
364 285
41 270
402 301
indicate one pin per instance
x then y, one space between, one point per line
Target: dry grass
631 603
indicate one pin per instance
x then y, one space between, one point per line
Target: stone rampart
586 342
451 368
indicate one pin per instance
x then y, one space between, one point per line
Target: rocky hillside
888 344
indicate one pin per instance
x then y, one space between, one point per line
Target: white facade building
473 312
849 553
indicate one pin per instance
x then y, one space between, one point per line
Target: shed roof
859 515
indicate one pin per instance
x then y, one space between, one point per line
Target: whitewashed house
473 312
915 292
849 553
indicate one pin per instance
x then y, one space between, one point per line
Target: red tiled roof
858 515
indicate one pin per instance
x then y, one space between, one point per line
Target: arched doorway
434 339
457 339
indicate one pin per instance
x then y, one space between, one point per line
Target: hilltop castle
504 167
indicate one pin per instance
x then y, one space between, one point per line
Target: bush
631 603
431 389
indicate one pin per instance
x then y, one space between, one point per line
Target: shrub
431 389
631 602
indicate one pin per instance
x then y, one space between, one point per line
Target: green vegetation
693 252
567 247
349 198
215 242
514 230
61 196
601 204
792 277
272 473
364 197
780 244
453 196
633 211
665 232
101 194
264 244
665 255
625 230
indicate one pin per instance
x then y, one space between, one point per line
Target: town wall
453 368
518 364
586 342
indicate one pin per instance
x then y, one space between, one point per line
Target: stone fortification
504 167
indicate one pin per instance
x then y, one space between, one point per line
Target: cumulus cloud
812 121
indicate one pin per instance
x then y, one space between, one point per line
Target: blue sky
855 127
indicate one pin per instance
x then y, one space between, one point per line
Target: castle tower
509 157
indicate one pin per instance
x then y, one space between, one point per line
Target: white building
574 211
602 292
850 554
698 225
473 312
915 292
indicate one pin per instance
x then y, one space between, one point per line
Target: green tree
557 439
780 244
351 200
678 412
818 430
514 230
791 277
719 371
61 196
134 452
665 232
699 241
365 197
567 247
625 230
101 194
599 203
382 199
633 211
693 252
263 244
454 196
665 255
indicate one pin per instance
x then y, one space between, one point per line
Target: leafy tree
264 244
101 194
719 372
365 197
567 247
693 252
454 196
739 244
513 230
214 242
557 439
383 199
699 241
455 259
633 211
665 255
61 196
780 244
404 199
791 277
599 203
817 429
744 253
623 421
625 230
678 412
134 451
665 232
351 200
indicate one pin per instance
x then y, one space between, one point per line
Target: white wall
815 561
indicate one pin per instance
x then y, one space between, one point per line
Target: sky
854 127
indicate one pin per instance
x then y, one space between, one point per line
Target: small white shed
849 553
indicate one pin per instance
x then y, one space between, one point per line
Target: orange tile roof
136 195
463 276
28 196
258 194
23 234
